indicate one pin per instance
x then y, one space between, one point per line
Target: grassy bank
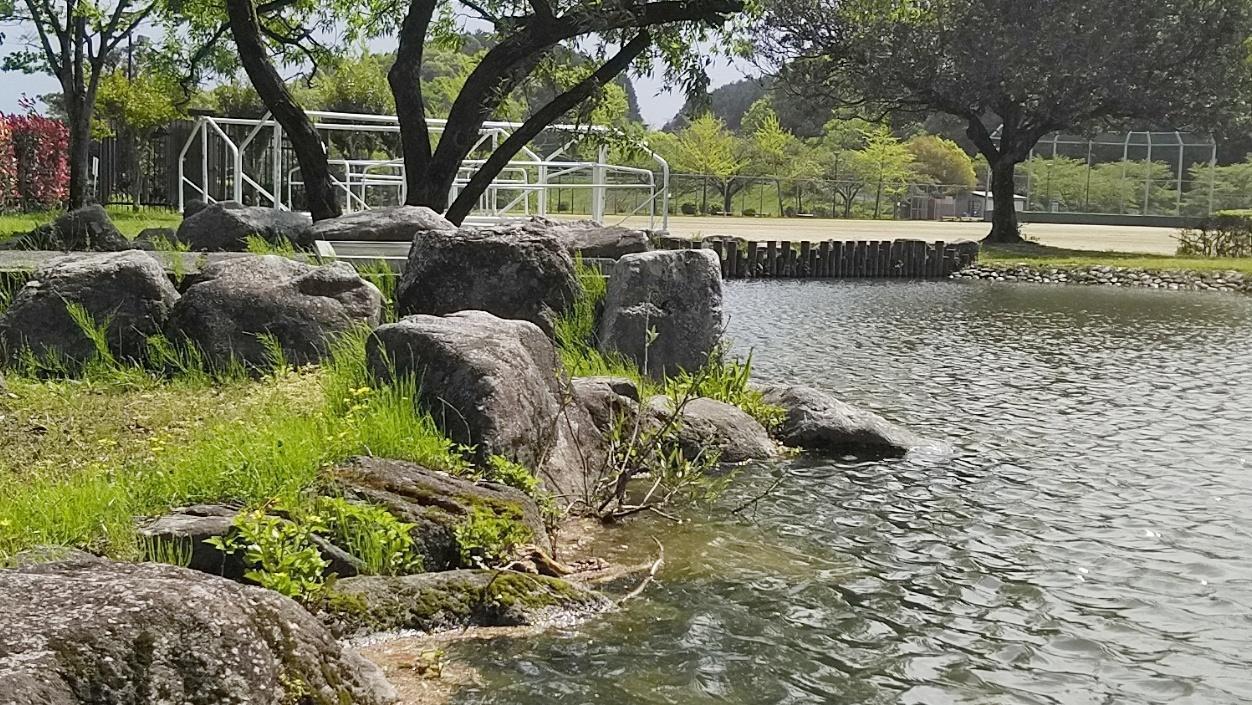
128 220
1035 254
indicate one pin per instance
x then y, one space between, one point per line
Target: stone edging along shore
1090 275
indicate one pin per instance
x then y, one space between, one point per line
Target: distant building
980 204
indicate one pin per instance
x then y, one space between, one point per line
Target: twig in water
751 503
651 576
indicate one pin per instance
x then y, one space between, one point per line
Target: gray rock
184 532
86 229
126 292
818 421
392 224
516 271
594 241
708 425
608 400
491 384
149 238
226 226
196 205
679 294
105 633
236 301
454 599
434 502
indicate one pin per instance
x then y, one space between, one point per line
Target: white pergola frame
508 196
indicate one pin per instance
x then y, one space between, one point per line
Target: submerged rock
227 225
125 293
818 421
591 240
516 271
708 425
105 633
434 502
235 303
86 229
677 293
454 599
391 224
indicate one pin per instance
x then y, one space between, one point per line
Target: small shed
980 204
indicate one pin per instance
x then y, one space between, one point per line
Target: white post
277 161
598 185
1147 177
204 161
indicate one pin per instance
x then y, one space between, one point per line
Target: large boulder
491 384
454 599
434 503
227 225
592 240
86 229
127 293
104 633
818 421
235 303
516 271
677 293
392 224
709 426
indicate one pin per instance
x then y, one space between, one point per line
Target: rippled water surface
1087 542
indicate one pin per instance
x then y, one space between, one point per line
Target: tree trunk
79 147
1004 228
319 188
405 80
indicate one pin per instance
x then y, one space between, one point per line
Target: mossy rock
452 599
434 502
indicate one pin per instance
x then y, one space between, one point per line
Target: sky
655 103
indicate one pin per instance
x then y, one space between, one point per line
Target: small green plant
173 552
726 380
372 534
506 472
280 553
258 245
486 538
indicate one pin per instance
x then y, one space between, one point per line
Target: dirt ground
1140 239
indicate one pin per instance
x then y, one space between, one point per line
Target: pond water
1088 540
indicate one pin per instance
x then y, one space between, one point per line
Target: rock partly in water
236 303
226 226
592 240
434 503
516 271
104 633
818 421
126 293
709 426
454 599
86 229
184 533
677 293
391 224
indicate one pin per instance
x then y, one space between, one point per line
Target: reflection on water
1087 543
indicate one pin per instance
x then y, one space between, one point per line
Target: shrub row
34 170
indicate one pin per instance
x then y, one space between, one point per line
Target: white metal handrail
526 180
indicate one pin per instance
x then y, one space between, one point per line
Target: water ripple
1083 538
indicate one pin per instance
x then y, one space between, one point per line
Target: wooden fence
834 259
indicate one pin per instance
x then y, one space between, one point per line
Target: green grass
80 458
1031 253
129 221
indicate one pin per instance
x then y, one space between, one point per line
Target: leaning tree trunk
1004 227
319 188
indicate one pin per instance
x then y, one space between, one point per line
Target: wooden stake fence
833 259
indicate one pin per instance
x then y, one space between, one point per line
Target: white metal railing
522 189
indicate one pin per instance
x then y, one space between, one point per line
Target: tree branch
543 117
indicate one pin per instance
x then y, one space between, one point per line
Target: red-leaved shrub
34 169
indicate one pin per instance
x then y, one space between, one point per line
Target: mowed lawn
128 220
